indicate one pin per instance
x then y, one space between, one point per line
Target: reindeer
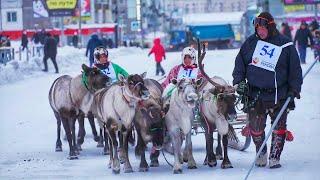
178 121
115 109
217 100
68 97
149 124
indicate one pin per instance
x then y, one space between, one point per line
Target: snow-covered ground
28 126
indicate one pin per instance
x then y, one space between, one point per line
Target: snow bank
69 59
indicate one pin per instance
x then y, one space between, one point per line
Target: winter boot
258 138
277 143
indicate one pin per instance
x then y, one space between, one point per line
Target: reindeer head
135 84
187 91
94 79
226 99
155 123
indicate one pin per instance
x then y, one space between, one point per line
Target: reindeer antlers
201 56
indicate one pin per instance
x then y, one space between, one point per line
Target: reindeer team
141 106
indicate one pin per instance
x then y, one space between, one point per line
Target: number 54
266 52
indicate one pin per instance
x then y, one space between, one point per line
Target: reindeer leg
72 154
58 142
210 157
111 151
219 148
93 127
191 162
121 150
176 143
154 158
106 150
226 162
115 158
127 165
140 151
72 124
81 132
100 142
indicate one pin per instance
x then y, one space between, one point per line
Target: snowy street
28 125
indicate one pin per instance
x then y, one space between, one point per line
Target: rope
166 158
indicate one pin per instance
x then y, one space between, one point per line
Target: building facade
11 15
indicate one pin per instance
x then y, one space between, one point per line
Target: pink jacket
174 74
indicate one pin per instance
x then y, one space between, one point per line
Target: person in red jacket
159 53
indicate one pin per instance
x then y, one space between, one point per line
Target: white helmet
97 52
191 52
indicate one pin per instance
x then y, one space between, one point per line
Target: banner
39 9
291 2
61 7
85 8
294 8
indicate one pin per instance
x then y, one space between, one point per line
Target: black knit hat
272 29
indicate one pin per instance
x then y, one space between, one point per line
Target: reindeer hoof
73 157
192 167
58 149
79 147
122 160
143 169
226 165
219 157
116 171
100 145
154 163
177 171
128 170
96 138
212 163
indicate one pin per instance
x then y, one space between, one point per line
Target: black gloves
293 93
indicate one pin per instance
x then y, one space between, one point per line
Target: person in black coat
75 40
24 40
36 37
285 30
42 36
92 44
269 64
302 36
50 51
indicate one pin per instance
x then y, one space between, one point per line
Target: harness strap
84 80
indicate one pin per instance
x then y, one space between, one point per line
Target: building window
11 16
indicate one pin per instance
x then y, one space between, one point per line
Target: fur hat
272 29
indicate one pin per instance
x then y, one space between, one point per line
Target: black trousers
159 69
53 59
257 123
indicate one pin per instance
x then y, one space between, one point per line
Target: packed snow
28 126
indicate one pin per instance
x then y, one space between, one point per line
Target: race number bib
187 73
266 55
110 73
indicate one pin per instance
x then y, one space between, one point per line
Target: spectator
159 53
314 25
286 31
302 35
42 36
92 44
24 40
50 51
75 40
